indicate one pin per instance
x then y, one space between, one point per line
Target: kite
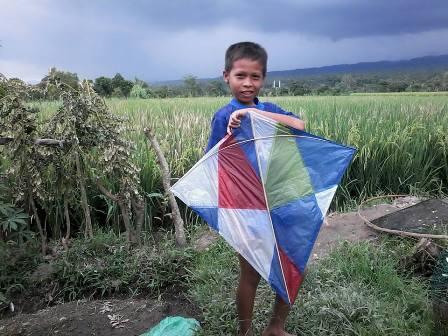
266 189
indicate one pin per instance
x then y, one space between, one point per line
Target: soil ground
133 317
430 216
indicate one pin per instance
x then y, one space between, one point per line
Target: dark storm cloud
168 39
329 18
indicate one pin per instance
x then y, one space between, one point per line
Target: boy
245 70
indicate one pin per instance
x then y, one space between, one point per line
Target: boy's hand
235 118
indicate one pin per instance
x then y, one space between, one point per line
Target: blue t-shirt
221 118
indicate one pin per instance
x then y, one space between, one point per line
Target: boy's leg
276 325
245 296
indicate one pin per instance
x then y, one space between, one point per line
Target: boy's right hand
235 119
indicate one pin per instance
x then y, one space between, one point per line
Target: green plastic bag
174 326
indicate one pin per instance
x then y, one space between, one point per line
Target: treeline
342 84
191 86
119 87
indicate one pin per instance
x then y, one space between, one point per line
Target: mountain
426 63
419 64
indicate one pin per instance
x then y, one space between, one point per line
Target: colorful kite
266 189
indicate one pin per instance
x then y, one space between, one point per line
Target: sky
169 39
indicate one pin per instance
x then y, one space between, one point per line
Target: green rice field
402 141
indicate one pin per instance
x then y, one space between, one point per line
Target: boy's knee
251 279
250 276
248 273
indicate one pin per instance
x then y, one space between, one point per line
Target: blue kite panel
209 214
325 161
296 226
276 277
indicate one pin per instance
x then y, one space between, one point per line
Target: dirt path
349 226
134 317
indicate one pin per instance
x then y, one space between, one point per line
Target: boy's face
245 80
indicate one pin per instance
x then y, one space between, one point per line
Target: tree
96 150
19 121
125 86
397 86
139 91
118 93
163 91
68 79
348 82
216 88
141 82
192 88
297 88
103 86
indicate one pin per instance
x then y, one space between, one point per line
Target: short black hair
250 50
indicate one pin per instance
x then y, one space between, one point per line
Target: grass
416 93
356 290
95 268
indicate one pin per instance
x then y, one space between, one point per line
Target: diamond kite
266 189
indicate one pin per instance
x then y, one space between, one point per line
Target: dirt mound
99 318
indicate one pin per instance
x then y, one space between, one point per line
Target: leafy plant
18 120
12 220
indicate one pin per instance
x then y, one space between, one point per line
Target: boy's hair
250 50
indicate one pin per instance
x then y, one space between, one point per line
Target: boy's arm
235 119
218 131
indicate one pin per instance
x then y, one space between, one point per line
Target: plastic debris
174 326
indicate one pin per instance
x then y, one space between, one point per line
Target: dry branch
88 232
139 210
106 192
166 178
67 218
40 142
130 238
43 236
5 140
